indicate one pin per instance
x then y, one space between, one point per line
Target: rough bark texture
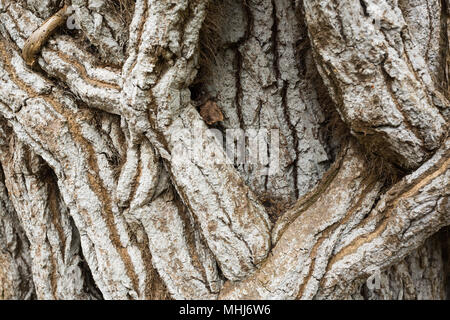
114 186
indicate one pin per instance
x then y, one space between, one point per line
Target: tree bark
332 181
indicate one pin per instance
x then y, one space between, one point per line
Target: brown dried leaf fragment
211 112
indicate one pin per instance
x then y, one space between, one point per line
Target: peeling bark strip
377 77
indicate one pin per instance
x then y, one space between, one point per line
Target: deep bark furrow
420 276
16 280
247 230
55 251
103 27
403 214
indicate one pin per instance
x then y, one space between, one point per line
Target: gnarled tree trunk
332 181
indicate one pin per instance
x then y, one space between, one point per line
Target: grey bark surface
113 185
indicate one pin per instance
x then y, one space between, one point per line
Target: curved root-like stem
39 37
